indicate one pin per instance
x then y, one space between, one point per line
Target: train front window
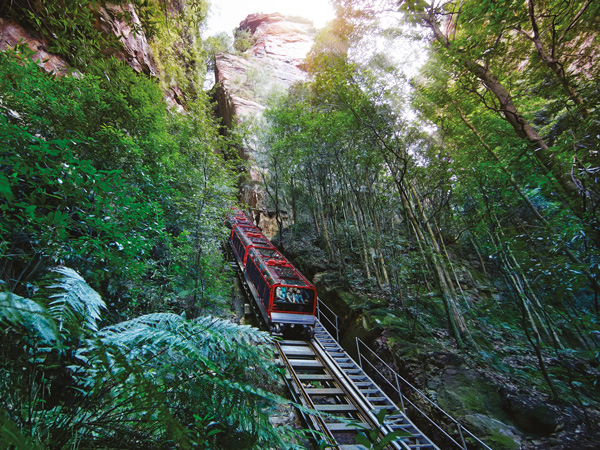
294 299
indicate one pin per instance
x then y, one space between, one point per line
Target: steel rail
301 396
354 395
339 430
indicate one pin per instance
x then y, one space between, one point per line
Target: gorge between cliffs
432 168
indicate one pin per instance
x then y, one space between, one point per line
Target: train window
285 272
293 299
291 295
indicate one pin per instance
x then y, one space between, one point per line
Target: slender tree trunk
520 125
377 274
316 221
454 274
454 317
379 251
423 256
552 62
443 272
542 364
478 251
363 242
325 230
347 226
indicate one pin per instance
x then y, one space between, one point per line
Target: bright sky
226 15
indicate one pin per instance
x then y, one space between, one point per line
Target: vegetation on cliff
463 201
111 226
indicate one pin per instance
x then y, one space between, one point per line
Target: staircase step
336 408
325 391
305 363
346 426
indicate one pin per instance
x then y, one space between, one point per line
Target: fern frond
210 365
12 438
78 304
17 310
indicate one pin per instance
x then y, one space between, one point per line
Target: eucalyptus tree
481 40
481 54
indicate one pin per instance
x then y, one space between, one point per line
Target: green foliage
453 203
180 53
77 303
75 31
373 441
242 40
156 380
219 43
11 437
19 311
96 174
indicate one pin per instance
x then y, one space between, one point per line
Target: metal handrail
333 322
403 398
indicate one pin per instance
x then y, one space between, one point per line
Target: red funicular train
285 298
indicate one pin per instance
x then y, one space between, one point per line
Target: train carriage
243 238
285 298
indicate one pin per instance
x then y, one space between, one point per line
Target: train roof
239 218
277 269
251 236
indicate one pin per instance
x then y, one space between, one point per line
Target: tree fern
77 303
21 311
209 364
139 383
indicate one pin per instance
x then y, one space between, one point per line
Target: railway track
323 378
338 399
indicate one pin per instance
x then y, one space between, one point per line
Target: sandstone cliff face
136 51
12 34
273 63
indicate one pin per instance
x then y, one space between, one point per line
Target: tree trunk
524 196
453 314
325 230
384 273
365 255
520 125
553 63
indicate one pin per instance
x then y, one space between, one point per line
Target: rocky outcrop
13 34
280 38
135 52
274 62
120 21
244 82
110 20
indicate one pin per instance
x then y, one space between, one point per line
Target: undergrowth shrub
97 174
155 381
